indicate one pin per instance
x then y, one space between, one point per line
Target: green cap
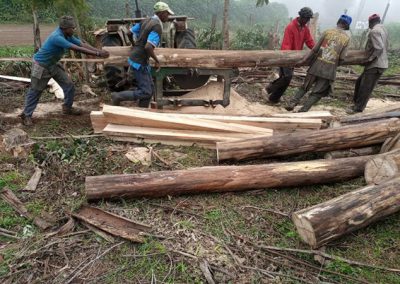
161 7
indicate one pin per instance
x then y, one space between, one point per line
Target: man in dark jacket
45 66
148 36
327 54
376 47
296 35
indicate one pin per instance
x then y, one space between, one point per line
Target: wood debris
112 223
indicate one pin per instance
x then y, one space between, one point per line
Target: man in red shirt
296 35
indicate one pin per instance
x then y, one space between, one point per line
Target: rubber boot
144 102
118 97
309 103
296 99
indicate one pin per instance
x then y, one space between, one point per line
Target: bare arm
89 50
149 48
312 53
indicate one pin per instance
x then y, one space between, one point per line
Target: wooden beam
328 221
98 121
275 123
135 117
173 135
224 178
345 137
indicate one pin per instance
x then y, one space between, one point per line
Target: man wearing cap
148 36
327 54
296 35
46 66
376 47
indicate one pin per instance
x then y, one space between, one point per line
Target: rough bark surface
325 222
224 178
352 136
170 57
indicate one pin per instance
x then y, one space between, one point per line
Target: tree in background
225 25
33 6
260 3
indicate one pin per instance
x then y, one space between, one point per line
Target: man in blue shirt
148 36
45 66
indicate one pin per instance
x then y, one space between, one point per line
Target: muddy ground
229 234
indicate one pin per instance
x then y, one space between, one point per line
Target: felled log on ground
170 57
223 178
352 136
328 221
374 114
365 151
382 167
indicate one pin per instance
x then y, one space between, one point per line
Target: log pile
138 125
352 151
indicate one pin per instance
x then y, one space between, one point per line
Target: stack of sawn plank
151 126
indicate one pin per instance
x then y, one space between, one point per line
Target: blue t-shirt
153 39
54 47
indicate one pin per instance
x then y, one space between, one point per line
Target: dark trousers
321 87
39 79
364 86
277 88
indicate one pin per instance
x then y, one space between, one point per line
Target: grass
211 221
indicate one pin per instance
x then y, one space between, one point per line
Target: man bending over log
327 54
376 47
148 36
296 35
46 66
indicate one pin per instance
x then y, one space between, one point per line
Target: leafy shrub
208 38
246 39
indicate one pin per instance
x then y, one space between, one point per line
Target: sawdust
238 105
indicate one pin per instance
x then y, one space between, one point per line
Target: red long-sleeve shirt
296 36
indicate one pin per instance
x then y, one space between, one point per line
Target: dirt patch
14 35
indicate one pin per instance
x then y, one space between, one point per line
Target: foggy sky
330 10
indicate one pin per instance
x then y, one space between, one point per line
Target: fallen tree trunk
322 223
202 58
366 151
352 136
224 178
370 117
382 167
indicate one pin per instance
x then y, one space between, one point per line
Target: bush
208 38
247 39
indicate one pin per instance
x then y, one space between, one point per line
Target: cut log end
379 169
305 230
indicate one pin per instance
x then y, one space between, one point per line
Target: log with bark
382 167
328 221
224 178
365 151
345 137
201 58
